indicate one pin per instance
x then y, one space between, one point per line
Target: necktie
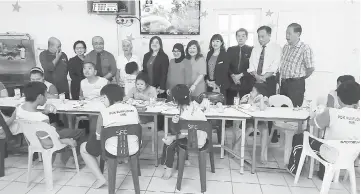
98 65
260 62
240 58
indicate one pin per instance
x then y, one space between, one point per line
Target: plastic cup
236 101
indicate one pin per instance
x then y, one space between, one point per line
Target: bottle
22 53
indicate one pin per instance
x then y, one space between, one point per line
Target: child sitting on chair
339 124
188 111
332 99
92 84
35 95
116 113
258 101
90 89
142 90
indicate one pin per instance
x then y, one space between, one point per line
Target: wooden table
276 114
69 107
228 114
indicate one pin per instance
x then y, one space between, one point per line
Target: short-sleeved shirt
149 92
340 124
199 67
108 63
212 66
55 73
129 83
22 114
179 73
295 60
121 62
92 90
30 116
120 114
194 113
336 104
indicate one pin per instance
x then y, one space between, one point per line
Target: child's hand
244 99
258 98
49 108
168 140
175 119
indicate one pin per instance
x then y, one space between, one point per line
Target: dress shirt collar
299 43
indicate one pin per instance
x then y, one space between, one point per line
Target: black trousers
75 89
271 83
297 146
168 153
294 88
161 117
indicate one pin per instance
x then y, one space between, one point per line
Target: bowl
245 106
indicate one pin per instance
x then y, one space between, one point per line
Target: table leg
243 142
223 137
288 146
312 161
254 147
70 121
166 126
155 137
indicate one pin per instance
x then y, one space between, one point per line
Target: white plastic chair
30 129
348 151
289 128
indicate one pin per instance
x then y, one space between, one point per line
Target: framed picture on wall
170 17
17 57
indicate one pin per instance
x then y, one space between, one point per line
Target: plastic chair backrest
121 132
348 150
280 101
192 127
214 97
4 127
31 127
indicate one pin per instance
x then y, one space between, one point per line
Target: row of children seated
95 88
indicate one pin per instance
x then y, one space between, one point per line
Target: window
229 21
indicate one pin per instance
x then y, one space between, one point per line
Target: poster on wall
170 17
17 57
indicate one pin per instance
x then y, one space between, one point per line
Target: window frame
229 33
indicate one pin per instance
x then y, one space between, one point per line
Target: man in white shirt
265 59
125 58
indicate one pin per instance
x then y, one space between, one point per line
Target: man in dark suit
241 81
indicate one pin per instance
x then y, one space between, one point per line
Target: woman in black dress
75 67
155 63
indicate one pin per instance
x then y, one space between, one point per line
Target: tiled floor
226 180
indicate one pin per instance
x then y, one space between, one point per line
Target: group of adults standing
232 72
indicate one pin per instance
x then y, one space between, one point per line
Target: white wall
332 28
